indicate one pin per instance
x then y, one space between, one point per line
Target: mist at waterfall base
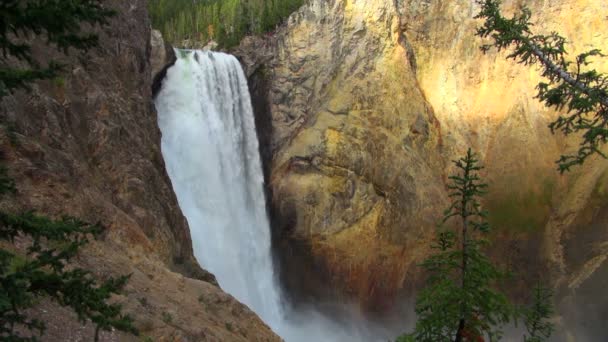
210 148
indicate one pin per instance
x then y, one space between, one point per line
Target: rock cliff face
88 145
356 170
542 221
366 104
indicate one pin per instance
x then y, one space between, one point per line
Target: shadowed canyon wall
88 145
368 101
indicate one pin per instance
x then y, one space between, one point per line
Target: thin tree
536 316
459 301
581 92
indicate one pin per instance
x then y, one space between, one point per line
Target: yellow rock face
554 222
371 100
487 102
356 165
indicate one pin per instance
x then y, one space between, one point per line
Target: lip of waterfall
210 148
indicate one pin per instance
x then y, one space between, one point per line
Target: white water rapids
210 147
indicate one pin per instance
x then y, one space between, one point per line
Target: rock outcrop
87 145
365 103
162 57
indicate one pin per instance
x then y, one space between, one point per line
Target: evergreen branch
563 74
59 22
584 93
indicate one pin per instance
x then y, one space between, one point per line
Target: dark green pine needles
459 301
43 273
536 316
58 22
581 92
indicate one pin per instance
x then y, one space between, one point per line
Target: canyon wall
546 225
87 144
363 105
356 174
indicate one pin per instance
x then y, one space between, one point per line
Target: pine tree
266 20
459 302
232 19
536 317
52 243
580 91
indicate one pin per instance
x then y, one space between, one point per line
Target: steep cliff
366 102
542 221
356 168
88 145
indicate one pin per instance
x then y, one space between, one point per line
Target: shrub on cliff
42 269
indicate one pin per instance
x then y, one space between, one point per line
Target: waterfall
210 148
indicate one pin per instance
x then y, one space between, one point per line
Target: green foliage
7 184
59 81
572 86
225 21
167 317
459 301
43 273
405 338
537 315
58 22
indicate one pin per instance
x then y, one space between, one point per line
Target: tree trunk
460 333
463 272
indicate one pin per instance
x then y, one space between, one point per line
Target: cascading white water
210 148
